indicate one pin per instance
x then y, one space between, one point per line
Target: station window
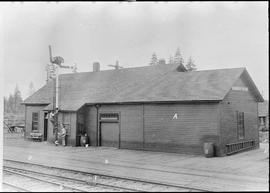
240 125
35 121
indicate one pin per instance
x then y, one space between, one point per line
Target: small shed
263 115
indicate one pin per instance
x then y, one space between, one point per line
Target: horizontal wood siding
242 101
131 124
28 119
195 124
152 127
71 119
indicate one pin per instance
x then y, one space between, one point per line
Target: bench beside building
157 108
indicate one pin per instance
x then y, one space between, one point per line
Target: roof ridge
218 69
124 69
155 66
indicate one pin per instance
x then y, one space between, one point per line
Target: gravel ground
242 171
95 178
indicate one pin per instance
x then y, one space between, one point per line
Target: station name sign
240 88
109 117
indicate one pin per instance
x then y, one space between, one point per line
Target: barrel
84 140
208 149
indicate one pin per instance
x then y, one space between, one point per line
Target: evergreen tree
154 59
17 100
190 65
6 105
178 59
170 60
10 104
31 89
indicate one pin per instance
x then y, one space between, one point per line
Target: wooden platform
244 171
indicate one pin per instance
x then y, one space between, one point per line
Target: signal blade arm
62 66
58 60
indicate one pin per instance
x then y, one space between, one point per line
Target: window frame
240 119
35 121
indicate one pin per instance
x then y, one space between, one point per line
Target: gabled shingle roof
159 83
42 96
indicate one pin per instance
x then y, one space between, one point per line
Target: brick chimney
96 67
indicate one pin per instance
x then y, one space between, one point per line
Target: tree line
177 59
12 103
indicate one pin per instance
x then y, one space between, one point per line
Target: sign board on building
240 88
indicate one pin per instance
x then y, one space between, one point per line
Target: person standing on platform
63 134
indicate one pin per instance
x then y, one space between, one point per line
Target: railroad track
12 188
61 182
34 183
85 181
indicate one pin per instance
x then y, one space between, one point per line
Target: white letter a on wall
175 116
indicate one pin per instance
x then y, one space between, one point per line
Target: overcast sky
217 35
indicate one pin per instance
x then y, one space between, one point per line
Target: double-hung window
240 125
34 121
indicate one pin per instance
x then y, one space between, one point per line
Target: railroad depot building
158 108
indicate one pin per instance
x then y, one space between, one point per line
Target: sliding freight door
109 130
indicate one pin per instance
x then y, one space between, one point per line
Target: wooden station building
158 108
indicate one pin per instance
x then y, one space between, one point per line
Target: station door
110 134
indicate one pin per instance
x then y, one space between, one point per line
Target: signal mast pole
57 61
55 95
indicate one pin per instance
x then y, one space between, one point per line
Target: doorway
109 134
45 134
109 130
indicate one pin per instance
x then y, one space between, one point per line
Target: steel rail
94 184
16 187
117 177
35 178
